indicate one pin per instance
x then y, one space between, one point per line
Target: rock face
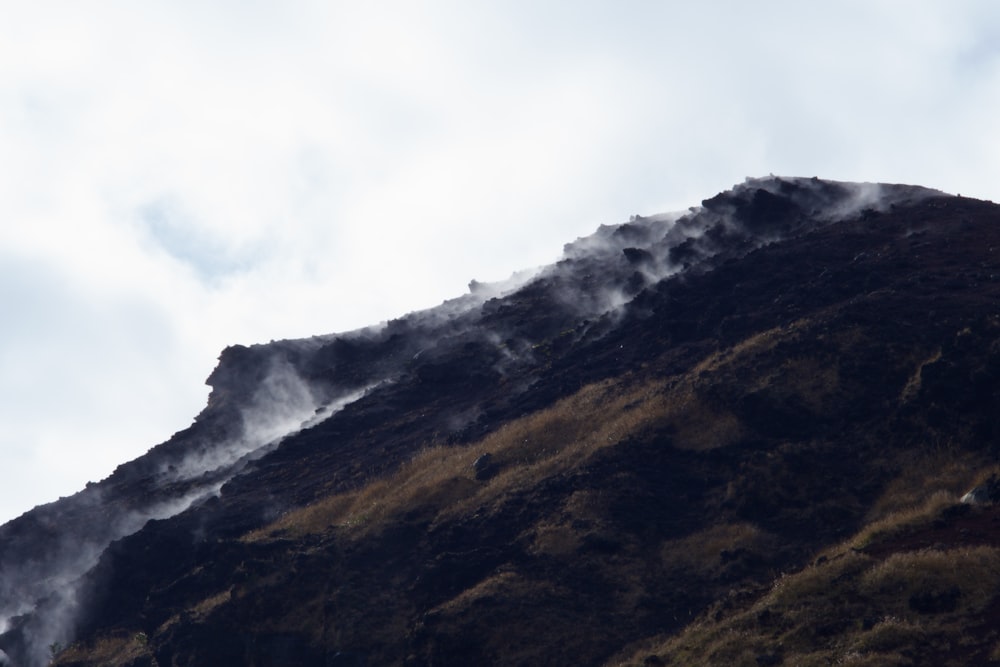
983 494
577 467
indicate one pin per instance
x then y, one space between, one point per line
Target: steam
282 405
45 553
48 586
40 583
649 249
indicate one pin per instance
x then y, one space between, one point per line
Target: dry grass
981 477
930 473
582 513
814 582
812 381
696 424
209 604
702 552
753 345
852 609
440 480
912 386
917 497
107 651
972 572
199 611
904 520
497 586
556 539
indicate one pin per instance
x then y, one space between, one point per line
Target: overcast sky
179 176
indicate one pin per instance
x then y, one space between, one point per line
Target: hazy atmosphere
176 177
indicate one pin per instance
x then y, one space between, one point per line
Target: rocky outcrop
548 472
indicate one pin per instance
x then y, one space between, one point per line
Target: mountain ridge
781 272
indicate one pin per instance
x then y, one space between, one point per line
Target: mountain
740 434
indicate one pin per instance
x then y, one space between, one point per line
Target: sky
179 176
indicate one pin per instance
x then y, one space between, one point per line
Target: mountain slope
628 456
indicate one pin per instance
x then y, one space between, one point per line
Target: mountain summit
738 434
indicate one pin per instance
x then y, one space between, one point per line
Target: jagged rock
692 433
638 256
484 467
984 494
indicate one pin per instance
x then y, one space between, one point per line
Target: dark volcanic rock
653 428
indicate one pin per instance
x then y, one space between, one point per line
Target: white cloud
179 176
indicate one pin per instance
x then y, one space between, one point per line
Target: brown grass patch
912 386
698 425
107 651
812 381
209 604
498 585
756 344
704 551
970 573
441 479
928 486
850 609
556 539
930 473
903 521
815 581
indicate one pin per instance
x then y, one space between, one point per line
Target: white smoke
54 586
597 277
663 245
281 405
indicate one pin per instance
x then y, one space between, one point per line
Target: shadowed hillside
736 435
